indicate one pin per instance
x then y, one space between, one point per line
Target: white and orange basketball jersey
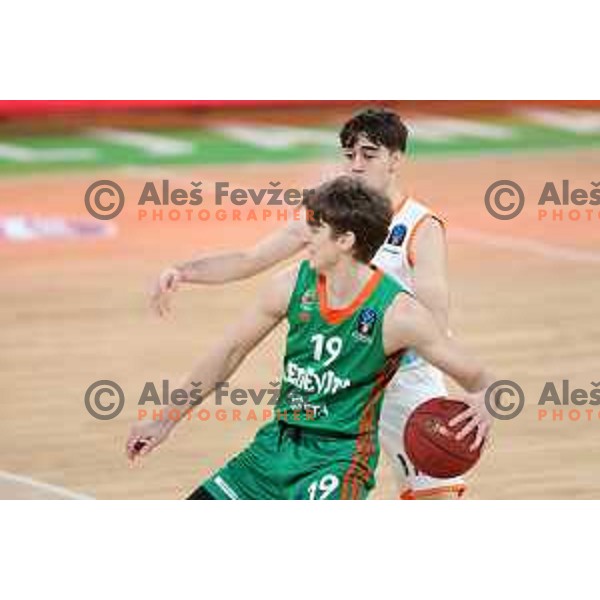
397 256
416 380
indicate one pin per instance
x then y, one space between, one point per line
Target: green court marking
525 137
29 154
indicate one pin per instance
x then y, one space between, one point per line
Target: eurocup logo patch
367 319
397 235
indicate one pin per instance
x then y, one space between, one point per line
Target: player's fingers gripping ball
431 443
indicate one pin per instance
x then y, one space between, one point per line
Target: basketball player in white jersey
374 143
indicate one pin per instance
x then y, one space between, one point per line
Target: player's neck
394 192
397 199
345 280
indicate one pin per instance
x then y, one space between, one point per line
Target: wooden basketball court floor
524 298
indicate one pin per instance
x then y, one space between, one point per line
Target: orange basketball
430 442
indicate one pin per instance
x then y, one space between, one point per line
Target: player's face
325 249
375 164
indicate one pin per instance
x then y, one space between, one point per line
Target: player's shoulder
279 288
405 313
403 302
409 202
400 320
424 226
419 211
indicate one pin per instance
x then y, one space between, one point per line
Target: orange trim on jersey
425 203
334 316
364 442
411 254
458 488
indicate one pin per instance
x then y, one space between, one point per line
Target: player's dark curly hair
380 126
348 204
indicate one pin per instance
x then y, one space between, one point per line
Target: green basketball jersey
335 368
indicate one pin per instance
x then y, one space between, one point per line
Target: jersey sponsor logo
306 379
309 300
397 235
365 324
309 297
298 403
308 303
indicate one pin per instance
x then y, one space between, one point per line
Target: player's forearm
219 365
449 356
233 265
468 372
476 381
216 268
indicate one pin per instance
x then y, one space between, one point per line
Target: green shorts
287 462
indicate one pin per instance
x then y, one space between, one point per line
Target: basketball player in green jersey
348 327
374 143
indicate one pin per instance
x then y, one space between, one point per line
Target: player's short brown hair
381 126
348 204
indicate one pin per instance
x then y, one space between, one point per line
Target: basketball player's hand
145 437
477 418
160 295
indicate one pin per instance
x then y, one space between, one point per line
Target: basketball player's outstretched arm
222 267
222 360
429 256
408 323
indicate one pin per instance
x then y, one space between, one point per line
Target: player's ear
347 241
397 159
